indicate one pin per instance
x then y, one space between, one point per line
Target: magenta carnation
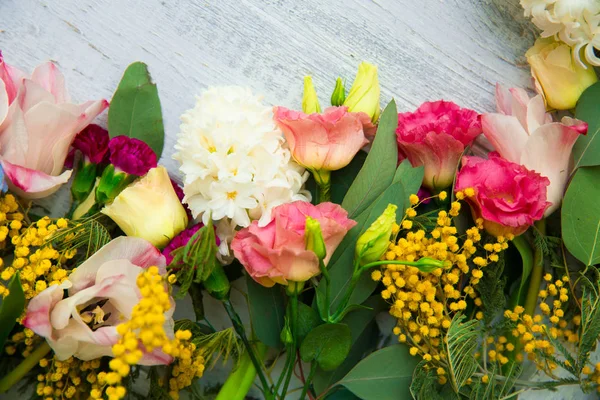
181 240
435 136
131 155
508 197
93 143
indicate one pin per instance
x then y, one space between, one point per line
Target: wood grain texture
425 49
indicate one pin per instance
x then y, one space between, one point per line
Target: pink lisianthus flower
131 155
326 141
522 132
435 136
103 292
181 240
276 253
37 126
508 197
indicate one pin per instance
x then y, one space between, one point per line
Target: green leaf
342 179
11 308
411 179
378 171
424 383
342 265
586 151
461 342
308 319
589 330
135 109
341 394
327 344
383 375
581 216
267 312
491 289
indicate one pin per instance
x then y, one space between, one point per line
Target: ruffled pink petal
548 153
295 265
506 134
49 77
138 251
31 184
37 317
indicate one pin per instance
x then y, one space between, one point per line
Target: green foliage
195 262
411 179
589 330
424 384
342 179
378 171
461 342
586 151
327 344
308 319
267 312
135 109
524 248
11 308
491 290
383 375
88 234
581 215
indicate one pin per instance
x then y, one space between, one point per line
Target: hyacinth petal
548 152
138 251
32 184
506 134
37 317
49 77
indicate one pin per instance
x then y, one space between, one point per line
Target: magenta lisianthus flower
276 253
181 240
131 155
508 197
435 136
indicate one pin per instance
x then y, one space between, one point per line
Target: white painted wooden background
425 49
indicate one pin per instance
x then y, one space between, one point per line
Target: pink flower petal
37 317
32 184
4 102
52 80
506 134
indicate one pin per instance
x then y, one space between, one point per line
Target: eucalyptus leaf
308 319
342 179
11 308
267 312
586 151
327 344
384 375
581 216
135 109
378 171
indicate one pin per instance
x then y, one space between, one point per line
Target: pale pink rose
106 280
508 196
277 252
522 132
435 136
326 141
38 123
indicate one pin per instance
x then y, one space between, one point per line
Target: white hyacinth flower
575 22
234 159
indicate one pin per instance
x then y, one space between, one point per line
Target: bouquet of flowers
438 253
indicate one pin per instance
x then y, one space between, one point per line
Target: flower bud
217 284
149 209
426 264
339 93
372 244
112 182
314 238
310 101
365 91
559 79
84 180
286 334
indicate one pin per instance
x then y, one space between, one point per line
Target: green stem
240 381
294 323
308 380
346 299
239 328
323 180
22 369
417 264
536 274
524 248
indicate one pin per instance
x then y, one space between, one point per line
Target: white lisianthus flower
234 159
575 22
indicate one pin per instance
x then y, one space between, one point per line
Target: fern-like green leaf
424 383
491 290
461 342
590 324
89 235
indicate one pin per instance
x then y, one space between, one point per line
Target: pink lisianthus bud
522 132
131 155
38 123
105 284
276 253
435 136
181 240
507 196
323 142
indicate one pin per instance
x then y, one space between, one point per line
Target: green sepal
84 180
112 182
